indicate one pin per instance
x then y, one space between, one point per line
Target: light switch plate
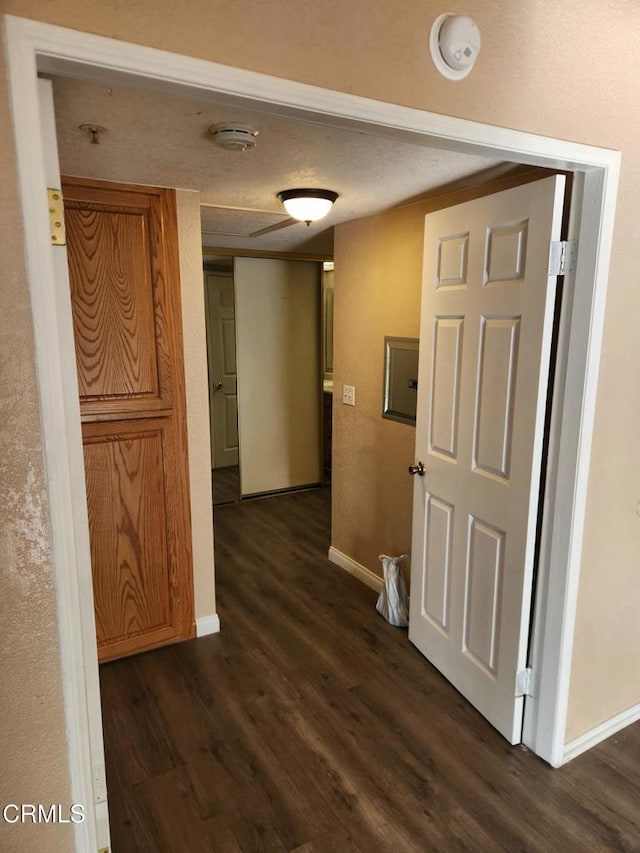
349 395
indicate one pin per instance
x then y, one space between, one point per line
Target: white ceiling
164 141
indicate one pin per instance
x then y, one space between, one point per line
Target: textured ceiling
164 141
243 223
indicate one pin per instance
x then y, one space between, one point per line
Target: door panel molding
437 586
163 545
448 340
491 440
141 312
483 582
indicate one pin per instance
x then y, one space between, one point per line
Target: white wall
279 379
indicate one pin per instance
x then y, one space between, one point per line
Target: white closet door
279 373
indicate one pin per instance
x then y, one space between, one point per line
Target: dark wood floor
225 484
311 725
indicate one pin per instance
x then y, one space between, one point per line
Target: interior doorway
263 321
599 172
219 296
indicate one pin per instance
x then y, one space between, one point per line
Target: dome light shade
307 205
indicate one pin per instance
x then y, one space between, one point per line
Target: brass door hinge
56 220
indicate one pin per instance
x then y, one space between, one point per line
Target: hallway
310 725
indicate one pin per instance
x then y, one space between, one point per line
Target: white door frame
33 46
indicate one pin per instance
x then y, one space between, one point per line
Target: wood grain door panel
120 296
136 574
123 267
112 305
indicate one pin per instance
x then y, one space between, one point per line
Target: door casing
32 47
221 454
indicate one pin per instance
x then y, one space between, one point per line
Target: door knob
417 469
217 386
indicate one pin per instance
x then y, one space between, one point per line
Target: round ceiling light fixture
454 43
234 136
307 205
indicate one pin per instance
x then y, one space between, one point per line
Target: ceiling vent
234 137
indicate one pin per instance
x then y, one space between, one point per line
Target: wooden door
125 295
487 312
223 380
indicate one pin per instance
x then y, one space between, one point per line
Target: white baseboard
356 569
102 825
207 625
599 733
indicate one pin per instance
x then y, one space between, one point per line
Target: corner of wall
377 286
197 394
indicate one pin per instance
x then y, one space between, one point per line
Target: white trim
32 46
62 445
88 56
102 825
371 579
90 674
568 469
599 733
207 625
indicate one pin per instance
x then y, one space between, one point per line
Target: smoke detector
234 136
454 43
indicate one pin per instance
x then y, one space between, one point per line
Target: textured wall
377 277
550 66
197 392
32 739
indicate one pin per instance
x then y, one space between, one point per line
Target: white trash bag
393 602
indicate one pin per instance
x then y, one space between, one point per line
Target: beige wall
32 739
279 379
197 392
550 66
377 275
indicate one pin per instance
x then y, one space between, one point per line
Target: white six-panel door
487 313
